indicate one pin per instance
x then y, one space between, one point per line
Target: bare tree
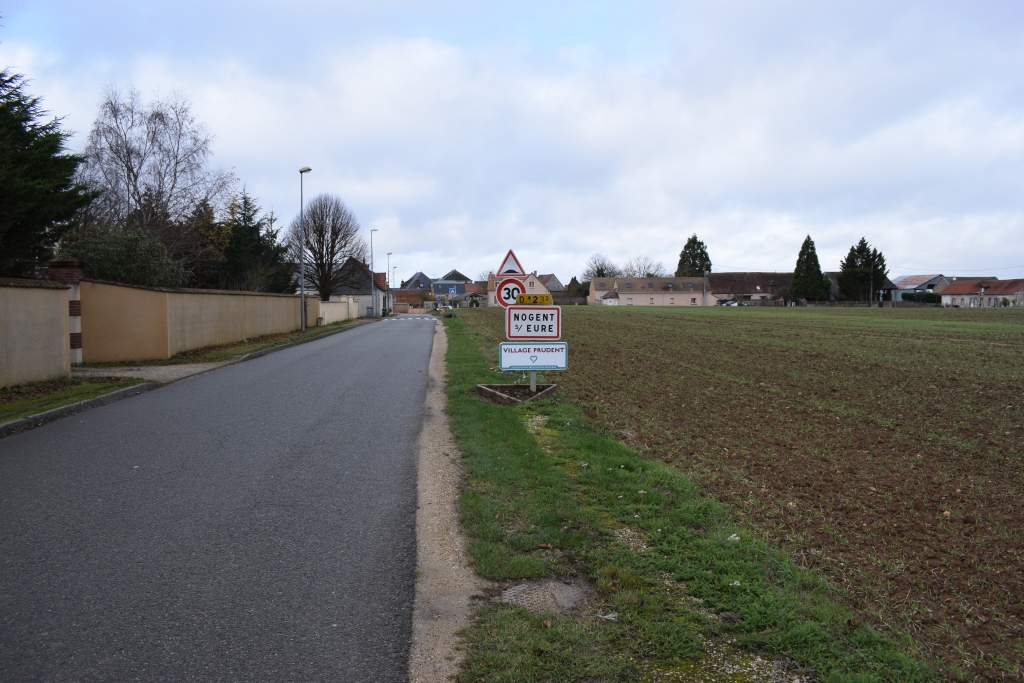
644 266
484 274
332 237
600 265
151 161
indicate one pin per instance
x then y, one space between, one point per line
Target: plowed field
883 447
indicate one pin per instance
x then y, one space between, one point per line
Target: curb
46 416
272 349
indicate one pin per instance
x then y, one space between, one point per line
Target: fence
34 332
128 323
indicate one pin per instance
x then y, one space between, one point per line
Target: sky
462 129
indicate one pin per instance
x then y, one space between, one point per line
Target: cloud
751 125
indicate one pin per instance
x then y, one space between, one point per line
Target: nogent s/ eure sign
533 322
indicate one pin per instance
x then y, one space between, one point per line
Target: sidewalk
152 373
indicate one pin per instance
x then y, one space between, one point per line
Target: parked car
730 303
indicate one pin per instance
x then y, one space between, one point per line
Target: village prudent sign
536 356
533 322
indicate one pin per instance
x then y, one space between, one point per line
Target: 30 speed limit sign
508 290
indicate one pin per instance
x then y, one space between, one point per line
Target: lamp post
373 298
302 248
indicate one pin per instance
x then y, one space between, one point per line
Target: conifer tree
808 281
862 270
693 259
38 192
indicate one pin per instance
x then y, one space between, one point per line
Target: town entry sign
532 325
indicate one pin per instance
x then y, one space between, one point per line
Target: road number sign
535 356
508 290
533 300
533 322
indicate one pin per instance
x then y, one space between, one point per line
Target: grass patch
29 399
544 474
226 352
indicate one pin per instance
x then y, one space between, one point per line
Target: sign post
532 326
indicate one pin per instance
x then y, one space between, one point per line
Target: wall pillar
69 272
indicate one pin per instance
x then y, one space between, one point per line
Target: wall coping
186 290
28 283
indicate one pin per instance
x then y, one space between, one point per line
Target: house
884 291
531 284
417 281
552 282
984 293
931 284
649 291
369 289
749 286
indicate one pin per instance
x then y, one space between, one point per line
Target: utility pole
302 248
373 284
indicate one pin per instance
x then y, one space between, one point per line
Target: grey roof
417 281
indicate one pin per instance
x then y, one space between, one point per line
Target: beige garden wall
197 320
334 311
34 335
123 324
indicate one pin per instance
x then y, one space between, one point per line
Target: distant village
456 290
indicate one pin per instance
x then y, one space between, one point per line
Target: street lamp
373 298
302 248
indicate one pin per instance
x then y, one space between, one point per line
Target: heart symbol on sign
533 359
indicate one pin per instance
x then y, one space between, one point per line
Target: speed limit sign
508 290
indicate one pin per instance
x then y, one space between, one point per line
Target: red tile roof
991 287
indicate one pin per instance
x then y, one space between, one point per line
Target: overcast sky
462 129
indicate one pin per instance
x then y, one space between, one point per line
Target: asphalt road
256 523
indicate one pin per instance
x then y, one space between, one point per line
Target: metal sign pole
533 381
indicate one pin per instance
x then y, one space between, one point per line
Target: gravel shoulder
445 584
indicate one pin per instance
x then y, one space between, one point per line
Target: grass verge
225 352
561 498
29 399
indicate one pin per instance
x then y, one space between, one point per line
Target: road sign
508 290
533 322
451 290
533 300
511 265
534 356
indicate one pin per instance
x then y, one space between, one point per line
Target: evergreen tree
808 281
693 259
575 289
253 260
38 192
861 270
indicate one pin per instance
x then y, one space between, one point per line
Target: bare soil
883 447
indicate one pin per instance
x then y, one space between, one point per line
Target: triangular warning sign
511 265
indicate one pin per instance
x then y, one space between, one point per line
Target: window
629 285
650 285
689 285
668 286
601 285
758 287
531 284
652 300
671 300
629 302
693 301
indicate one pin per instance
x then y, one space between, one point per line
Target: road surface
256 523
